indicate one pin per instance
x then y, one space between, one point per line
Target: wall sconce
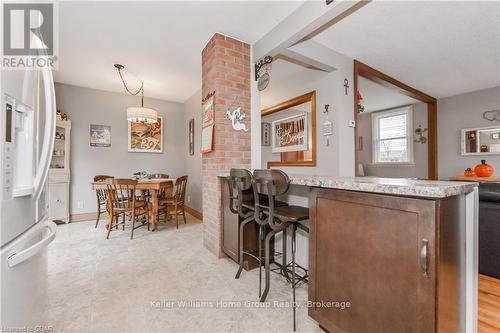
419 132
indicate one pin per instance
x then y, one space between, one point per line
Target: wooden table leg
154 209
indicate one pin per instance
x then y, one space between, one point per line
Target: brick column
225 70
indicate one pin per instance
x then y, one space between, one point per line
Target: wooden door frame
305 98
361 69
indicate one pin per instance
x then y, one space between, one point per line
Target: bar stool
242 203
272 183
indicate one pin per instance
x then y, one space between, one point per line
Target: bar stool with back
271 182
242 203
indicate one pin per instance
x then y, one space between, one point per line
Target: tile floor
123 285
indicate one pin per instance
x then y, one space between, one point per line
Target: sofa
489 229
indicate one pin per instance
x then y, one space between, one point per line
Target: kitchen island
401 252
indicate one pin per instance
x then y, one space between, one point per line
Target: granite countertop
395 186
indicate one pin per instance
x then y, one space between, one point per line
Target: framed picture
145 138
191 137
266 134
100 136
207 123
290 134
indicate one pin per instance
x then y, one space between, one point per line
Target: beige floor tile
123 285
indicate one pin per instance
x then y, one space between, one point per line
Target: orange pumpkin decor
484 170
469 173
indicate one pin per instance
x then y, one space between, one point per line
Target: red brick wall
225 70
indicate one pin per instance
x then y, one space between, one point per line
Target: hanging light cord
140 90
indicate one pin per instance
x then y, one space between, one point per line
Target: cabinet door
58 205
366 249
230 225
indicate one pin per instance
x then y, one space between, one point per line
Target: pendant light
138 114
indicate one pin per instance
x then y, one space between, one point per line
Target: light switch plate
352 123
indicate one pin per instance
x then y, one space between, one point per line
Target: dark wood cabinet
397 261
231 226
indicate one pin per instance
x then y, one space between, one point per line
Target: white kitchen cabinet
59 173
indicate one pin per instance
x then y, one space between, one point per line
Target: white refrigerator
27 126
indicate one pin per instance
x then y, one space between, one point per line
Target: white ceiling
158 42
443 48
376 97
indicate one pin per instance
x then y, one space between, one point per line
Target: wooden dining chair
122 202
101 197
174 204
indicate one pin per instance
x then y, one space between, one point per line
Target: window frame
376 116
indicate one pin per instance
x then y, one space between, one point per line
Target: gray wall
89 106
418 169
192 109
464 111
337 159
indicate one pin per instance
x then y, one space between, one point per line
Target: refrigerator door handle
49 133
19 257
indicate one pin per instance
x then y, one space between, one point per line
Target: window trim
408 110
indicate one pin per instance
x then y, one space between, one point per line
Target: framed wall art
100 135
266 134
191 137
145 138
207 122
290 134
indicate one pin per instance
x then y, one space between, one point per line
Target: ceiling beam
385 80
317 53
304 23
303 60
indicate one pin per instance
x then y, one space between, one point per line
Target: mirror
289 132
481 141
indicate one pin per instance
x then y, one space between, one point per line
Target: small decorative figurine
469 173
61 115
483 169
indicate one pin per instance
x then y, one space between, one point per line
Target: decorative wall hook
237 120
327 129
208 96
263 62
346 85
493 115
359 98
419 132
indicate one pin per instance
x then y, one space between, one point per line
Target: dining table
153 186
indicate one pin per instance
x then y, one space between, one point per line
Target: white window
392 136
